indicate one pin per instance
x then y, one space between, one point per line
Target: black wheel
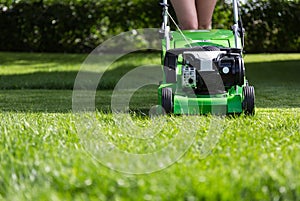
167 100
249 100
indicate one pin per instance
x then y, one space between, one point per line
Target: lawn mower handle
165 29
237 28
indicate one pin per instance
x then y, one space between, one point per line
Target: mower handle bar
166 29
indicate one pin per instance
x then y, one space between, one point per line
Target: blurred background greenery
81 25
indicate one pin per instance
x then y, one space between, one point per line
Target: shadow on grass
60 101
277 85
28 59
274 73
63 80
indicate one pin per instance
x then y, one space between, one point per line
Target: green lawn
43 157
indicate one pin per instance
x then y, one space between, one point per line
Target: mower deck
227 103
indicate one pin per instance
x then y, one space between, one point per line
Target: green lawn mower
203 70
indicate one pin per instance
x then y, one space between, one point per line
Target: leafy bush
80 25
71 26
272 25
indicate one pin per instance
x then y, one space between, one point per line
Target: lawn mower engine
203 68
206 72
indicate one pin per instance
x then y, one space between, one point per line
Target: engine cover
227 63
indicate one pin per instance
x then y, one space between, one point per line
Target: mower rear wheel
249 100
167 99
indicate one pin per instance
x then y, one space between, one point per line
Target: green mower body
203 73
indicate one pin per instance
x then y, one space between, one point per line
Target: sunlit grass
255 158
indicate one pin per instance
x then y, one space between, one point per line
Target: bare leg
205 9
186 13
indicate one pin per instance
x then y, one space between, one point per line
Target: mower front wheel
249 100
167 99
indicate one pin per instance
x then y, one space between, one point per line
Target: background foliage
81 25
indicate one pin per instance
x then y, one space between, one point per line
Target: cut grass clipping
42 157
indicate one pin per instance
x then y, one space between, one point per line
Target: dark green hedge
272 26
80 25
